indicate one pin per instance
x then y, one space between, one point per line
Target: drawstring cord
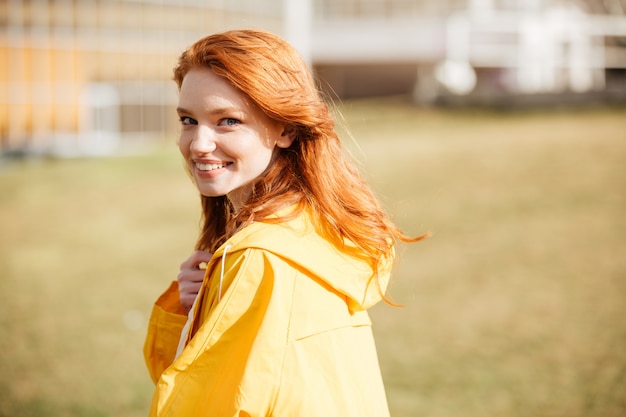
219 294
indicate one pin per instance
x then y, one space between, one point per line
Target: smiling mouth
211 167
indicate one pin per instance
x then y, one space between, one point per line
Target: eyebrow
217 111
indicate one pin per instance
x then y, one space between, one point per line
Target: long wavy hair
313 173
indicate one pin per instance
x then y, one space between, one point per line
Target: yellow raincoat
288 335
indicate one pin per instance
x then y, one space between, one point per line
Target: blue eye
188 121
229 122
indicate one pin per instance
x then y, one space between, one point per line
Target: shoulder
296 238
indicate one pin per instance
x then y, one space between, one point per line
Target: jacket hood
297 242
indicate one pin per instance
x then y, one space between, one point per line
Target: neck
238 197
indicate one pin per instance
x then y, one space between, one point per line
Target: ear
287 137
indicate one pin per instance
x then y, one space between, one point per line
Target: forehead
203 86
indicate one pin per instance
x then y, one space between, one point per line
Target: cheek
183 146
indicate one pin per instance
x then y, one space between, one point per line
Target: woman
296 247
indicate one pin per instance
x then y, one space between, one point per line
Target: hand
190 278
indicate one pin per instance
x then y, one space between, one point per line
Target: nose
203 141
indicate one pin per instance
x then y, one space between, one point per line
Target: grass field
515 307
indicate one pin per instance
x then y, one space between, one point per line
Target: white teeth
209 167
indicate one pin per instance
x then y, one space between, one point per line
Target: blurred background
93 77
498 125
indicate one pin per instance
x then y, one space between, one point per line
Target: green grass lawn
516 306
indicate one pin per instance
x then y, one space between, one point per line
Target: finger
189 288
190 275
202 256
186 301
195 260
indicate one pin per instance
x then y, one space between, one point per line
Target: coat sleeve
166 323
231 365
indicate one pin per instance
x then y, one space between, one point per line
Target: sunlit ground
515 306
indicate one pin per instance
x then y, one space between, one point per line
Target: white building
484 47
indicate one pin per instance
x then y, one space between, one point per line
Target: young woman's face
226 139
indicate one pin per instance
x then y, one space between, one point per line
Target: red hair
312 174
